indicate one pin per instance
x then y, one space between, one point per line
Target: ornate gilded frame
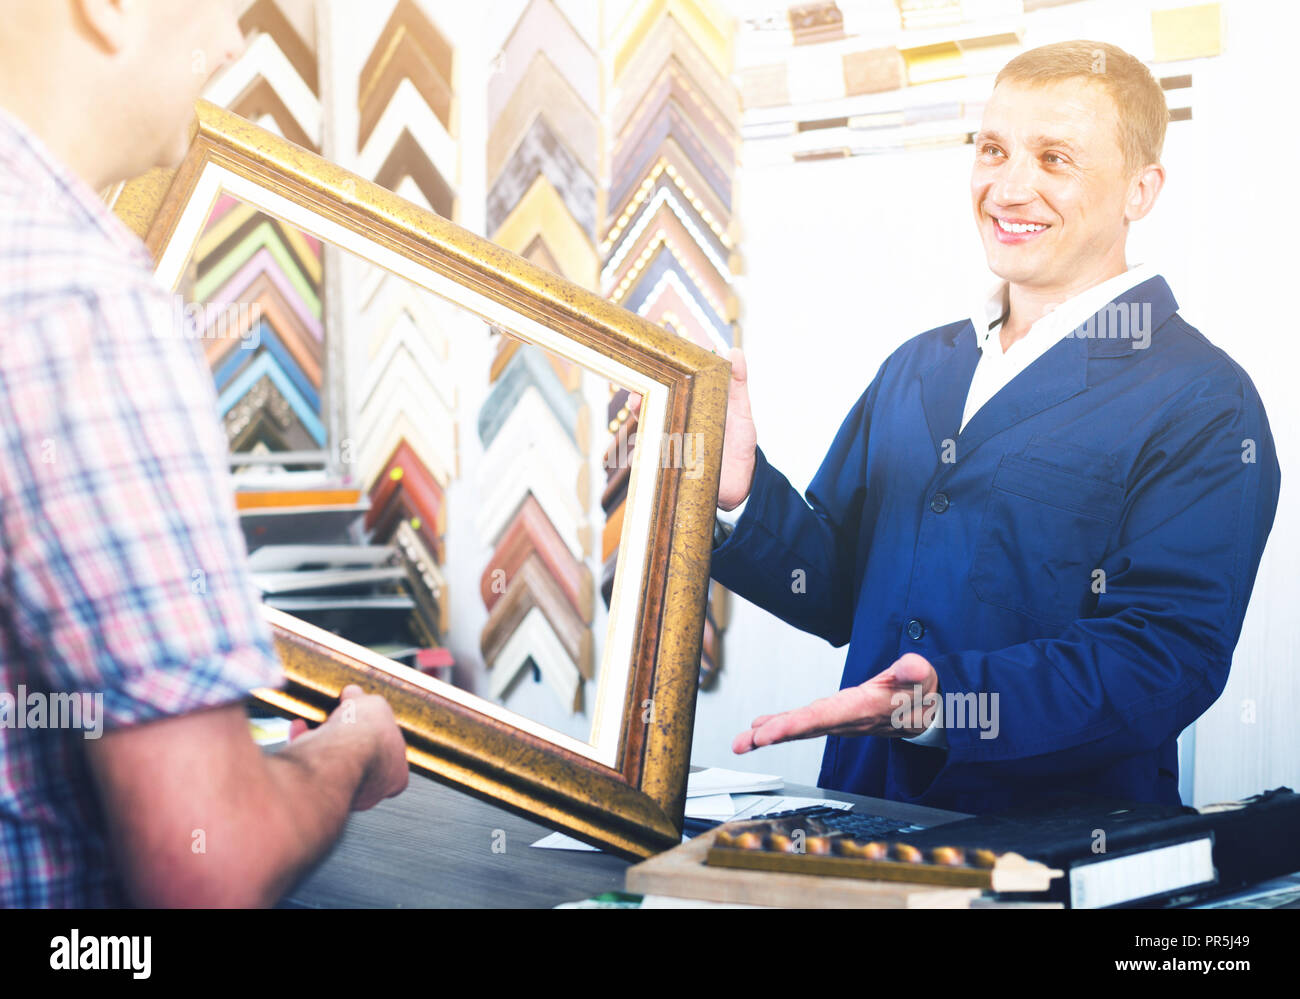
635 807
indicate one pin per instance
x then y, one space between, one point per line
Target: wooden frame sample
625 792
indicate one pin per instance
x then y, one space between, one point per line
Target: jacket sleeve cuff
743 517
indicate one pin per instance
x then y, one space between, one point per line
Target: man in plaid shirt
125 600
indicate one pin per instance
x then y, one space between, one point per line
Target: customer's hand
366 718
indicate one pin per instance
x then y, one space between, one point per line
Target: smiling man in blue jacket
1038 529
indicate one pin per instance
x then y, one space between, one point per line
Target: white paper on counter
715 780
711 806
559 841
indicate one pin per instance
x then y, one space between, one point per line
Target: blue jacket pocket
1043 534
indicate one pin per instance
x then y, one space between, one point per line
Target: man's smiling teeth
1019 227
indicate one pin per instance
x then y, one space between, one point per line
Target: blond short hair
1139 101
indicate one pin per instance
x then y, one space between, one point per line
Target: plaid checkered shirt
124 590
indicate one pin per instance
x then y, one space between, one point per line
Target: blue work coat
980 551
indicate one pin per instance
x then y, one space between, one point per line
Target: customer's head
1068 154
110 85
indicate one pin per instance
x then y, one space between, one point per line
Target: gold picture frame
631 800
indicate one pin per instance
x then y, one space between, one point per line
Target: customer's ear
105 22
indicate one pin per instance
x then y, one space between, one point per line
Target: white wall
848 258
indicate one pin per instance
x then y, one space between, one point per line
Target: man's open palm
868 709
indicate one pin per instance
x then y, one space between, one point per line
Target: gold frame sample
626 793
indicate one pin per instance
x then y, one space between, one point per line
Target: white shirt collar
1059 321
